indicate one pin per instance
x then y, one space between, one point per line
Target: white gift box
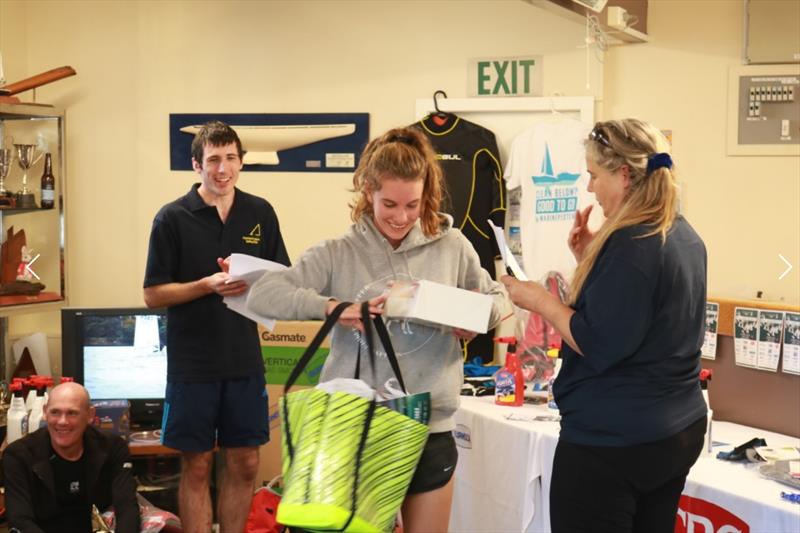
433 302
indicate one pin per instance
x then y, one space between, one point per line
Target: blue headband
656 161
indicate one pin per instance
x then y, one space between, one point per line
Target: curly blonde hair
405 154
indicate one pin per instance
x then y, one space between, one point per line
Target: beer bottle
48 183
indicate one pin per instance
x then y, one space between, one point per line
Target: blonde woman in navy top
633 415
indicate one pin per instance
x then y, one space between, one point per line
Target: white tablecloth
505 458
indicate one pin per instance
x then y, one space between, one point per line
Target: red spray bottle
509 384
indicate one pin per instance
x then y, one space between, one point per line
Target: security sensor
617 17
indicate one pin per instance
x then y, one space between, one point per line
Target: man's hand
221 282
579 235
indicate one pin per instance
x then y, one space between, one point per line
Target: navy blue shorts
231 413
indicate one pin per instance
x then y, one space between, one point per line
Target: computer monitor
118 353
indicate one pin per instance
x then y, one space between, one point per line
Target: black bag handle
316 342
383 335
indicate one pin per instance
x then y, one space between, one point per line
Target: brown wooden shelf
727 307
27 299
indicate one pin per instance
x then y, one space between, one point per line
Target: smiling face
396 207
219 170
68 413
608 187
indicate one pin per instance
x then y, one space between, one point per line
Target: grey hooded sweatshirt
358 266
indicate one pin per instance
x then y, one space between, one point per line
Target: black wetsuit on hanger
475 190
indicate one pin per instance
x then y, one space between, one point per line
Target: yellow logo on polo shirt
254 237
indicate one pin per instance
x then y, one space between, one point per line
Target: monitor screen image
125 356
118 354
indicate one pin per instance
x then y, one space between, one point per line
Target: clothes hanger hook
436 102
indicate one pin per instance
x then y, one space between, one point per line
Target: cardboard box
113 416
281 349
431 302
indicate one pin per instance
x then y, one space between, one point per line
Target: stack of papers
250 269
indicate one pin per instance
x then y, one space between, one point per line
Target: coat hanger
439 117
553 110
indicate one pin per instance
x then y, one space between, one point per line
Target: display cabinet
27 133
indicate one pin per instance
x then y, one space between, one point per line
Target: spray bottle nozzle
510 341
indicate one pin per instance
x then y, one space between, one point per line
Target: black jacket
31 502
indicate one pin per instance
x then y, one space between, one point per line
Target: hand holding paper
243 267
512 267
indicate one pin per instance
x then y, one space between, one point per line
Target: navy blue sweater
639 321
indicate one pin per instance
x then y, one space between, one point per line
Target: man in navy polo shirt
216 393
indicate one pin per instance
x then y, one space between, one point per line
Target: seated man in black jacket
54 475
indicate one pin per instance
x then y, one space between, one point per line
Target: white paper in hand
250 269
505 252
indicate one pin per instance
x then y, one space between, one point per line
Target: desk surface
505 463
151 449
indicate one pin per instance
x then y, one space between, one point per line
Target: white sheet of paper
250 269
709 349
506 254
770 333
791 343
745 336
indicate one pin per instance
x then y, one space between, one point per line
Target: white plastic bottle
31 384
17 415
37 411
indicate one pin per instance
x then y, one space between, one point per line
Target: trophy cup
25 153
6 200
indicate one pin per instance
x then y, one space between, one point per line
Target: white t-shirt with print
548 161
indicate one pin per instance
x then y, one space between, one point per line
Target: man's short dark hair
214 133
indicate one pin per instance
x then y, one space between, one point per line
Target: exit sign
505 76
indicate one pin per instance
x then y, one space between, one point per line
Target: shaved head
70 390
68 414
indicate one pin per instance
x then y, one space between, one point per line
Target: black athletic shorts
437 464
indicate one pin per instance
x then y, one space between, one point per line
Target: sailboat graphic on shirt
548 178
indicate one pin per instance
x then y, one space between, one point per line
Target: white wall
746 207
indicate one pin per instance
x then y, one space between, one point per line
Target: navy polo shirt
640 321
205 340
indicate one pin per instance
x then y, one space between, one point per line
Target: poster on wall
745 336
770 331
280 142
709 349
791 343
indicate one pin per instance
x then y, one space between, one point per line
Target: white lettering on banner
689 520
700 516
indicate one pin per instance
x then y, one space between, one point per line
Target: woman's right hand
351 316
580 235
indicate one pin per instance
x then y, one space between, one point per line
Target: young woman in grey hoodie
398 233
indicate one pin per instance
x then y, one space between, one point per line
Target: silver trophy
25 158
5 165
